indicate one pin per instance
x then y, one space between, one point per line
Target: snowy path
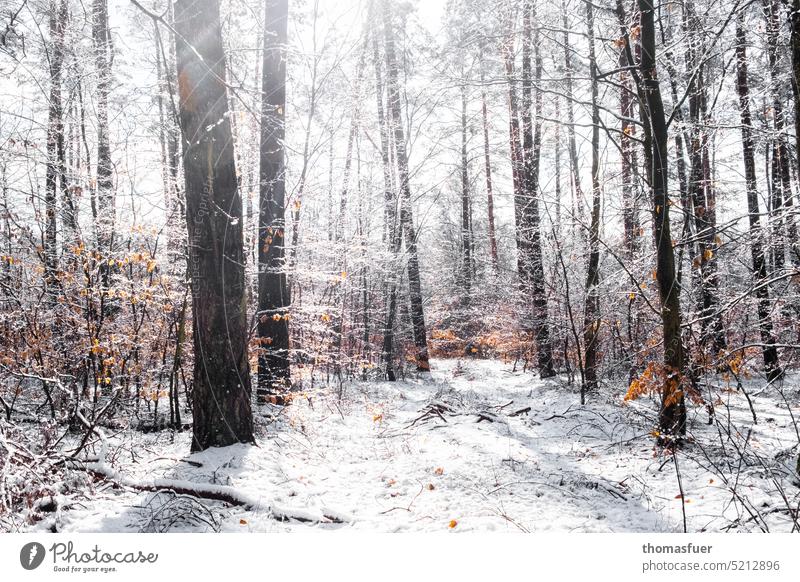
559 467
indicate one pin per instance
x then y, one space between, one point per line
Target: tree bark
221 397
274 372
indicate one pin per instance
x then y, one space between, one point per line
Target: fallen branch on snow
213 492
210 491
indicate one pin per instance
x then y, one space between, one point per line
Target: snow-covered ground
381 458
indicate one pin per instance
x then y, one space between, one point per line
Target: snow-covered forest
399 265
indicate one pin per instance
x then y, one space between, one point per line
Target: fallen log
210 491
213 492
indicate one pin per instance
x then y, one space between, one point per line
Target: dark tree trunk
531 267
770 353
221 397
274 374
591 315
406 213
672 416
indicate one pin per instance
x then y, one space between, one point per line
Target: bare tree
106 200
531 266
591 316
672 416
769 351
406 212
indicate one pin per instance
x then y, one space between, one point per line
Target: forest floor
474 446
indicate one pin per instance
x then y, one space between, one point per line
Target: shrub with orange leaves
653 380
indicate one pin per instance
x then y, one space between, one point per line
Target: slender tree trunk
591 315
577 209
87 152
341 245
783 219
515 145
170 144
406 216
672 416
680 163
703 195
769 351
103 51
254 136
557 180
531 262
794 20
221 397
55 143
488 170
301 186
274 374
71 235
466 211
393 229
630 198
